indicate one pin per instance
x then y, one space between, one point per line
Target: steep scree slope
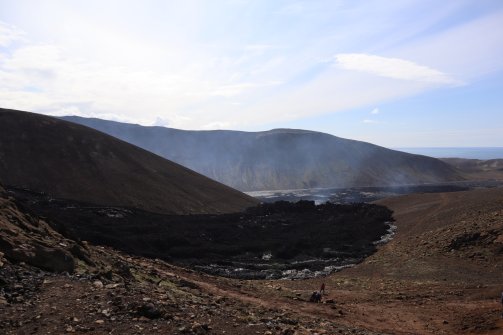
71 161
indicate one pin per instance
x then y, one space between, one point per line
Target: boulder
50 258
150 311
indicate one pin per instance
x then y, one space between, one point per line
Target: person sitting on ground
315 297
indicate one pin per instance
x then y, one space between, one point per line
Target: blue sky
409 73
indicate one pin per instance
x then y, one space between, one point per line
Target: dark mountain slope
71 161
280 158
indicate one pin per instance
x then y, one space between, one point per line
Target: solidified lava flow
272 240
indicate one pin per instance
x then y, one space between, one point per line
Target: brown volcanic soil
476 169
442 274
71 161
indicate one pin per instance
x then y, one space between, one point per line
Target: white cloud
44 78
217 125
294 8
236 89
374 112
29 101
395 68
161 122
333 90
9 34
36 57
260 48
470 50
77 111
201 68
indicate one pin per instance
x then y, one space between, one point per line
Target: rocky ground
442 274
160 299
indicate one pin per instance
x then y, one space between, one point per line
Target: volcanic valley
100 236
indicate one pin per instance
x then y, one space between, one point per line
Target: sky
409 73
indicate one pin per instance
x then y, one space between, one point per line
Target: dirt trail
413 285
354 308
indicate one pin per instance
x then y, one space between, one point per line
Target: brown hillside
441 274
477 169
71 161
444 233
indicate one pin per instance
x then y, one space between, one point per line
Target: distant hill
71 161
280 158
475 165
458 152
478 169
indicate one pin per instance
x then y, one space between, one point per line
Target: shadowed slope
280 158
71 161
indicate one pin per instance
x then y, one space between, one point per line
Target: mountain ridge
280 158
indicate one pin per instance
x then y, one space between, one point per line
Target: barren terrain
70 161
442 274
477 169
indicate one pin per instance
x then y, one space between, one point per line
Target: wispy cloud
236 89
293 8
395 68
9 34
217 125
46 79
369 121
471 49
374 112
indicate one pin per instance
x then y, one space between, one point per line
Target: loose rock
150 311
98 284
